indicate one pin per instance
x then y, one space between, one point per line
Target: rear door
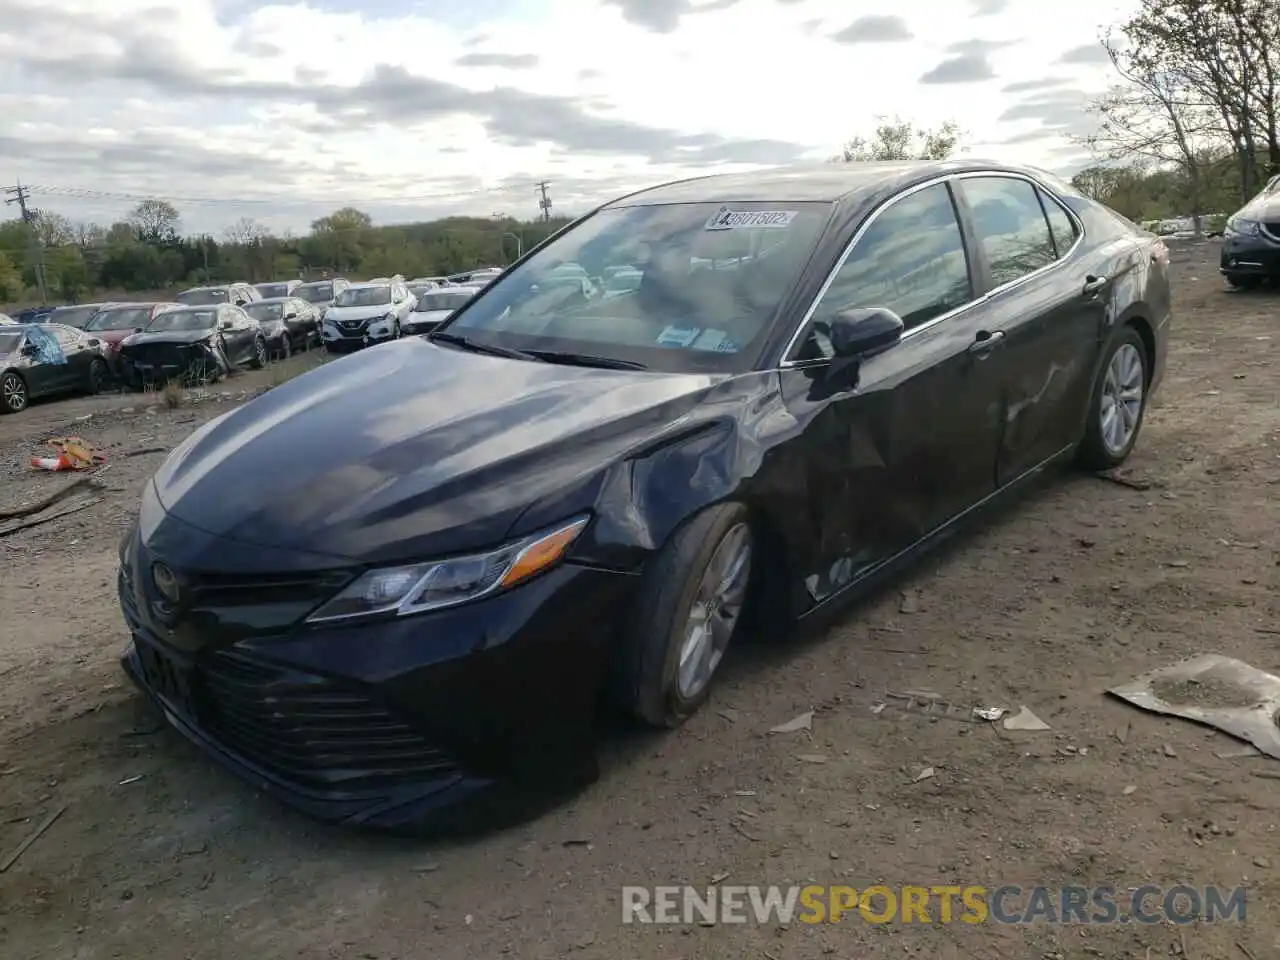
75 373
911 441
1048 307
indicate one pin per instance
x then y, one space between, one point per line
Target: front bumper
158 363
413 327
1254 256
393 724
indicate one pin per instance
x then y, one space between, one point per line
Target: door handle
1093 285
986 342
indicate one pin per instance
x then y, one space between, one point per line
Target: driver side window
911 260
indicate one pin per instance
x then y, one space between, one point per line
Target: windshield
263 312
198 297
133 318
710 280
184 320
320 293
10 340
269 290
443 301
364 296
74 316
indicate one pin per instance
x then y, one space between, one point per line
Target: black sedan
1251 241
41 359
468 537
192 345
288 323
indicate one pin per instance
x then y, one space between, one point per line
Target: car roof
272 300
365 284
817 183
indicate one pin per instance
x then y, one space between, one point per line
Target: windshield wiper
468 343
587 360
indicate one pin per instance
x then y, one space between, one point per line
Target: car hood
429 316
411 449
168 336
1265 208
112 336
358 313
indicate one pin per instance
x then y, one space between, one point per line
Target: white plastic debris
1024 719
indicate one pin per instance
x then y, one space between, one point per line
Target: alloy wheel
717 605
286 347
97 376
260 352
13 393
1123 393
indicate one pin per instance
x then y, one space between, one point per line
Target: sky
414 109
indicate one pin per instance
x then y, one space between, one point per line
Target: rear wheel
286 347
259 354
689 608
1119 404
13 393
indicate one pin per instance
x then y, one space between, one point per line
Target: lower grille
308 729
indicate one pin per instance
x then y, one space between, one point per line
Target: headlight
1242 228
419 587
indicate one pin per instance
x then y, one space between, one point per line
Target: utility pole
544 201
20 195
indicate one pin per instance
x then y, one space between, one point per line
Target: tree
88 235
899 139
245 231
10 279
338 239
53 229
155 222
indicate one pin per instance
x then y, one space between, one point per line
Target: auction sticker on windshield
727 219
678 336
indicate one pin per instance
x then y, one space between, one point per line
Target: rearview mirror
865 330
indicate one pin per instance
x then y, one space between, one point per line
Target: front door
909 441
1049 310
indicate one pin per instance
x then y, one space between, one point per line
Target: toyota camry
559 493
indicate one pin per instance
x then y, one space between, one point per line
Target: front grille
353 324
159 355
308 729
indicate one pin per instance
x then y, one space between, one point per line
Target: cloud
968 68
1026 86
874 28
511 61
1056 113
988 8
1088 53
663 16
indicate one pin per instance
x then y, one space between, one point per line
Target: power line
544 200
20 195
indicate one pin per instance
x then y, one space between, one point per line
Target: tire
1106 446
259 354
286 347
395 333
1244 281
99 374
651 683
13 393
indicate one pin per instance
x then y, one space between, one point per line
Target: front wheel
689 609
286 347
1119 404
98 376
1244 281
13 393
259 354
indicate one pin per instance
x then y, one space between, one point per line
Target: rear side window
1009 225
1061 225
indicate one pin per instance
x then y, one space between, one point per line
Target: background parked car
1251 241
321 293
39 359
32 314
278 288
6 319
115 323
193 344
234 293
287 322
435 306
366 313
77 316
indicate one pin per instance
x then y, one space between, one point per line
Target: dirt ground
1078 586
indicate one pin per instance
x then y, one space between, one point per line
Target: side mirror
865 330
29 350
225 324
291 315
137 329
